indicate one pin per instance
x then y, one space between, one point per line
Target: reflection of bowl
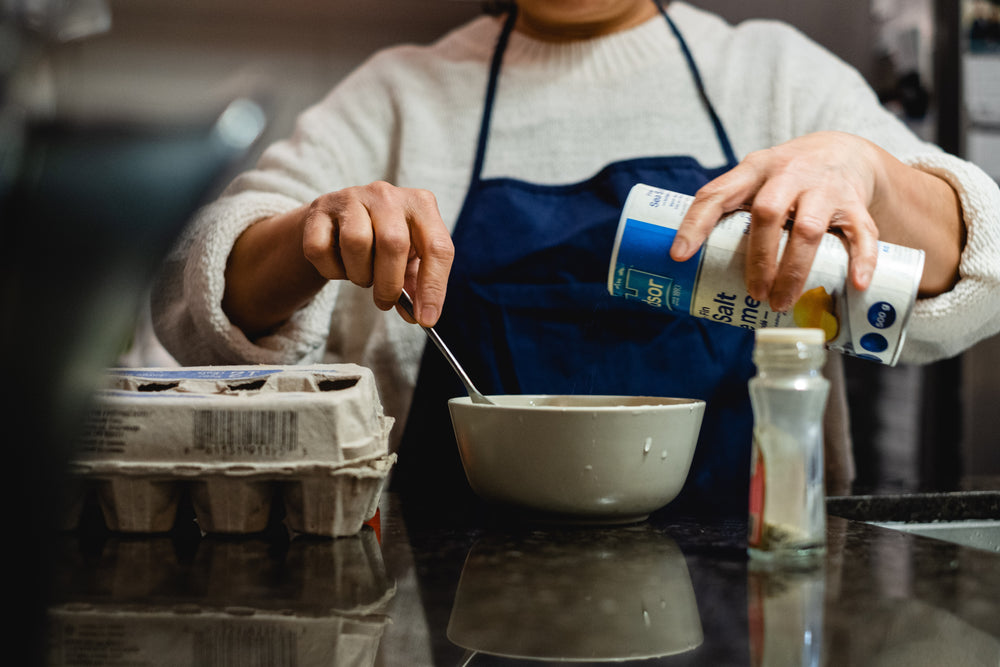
616 594
591 458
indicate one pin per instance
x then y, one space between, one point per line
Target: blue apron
528 312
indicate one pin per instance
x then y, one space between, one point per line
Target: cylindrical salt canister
870 324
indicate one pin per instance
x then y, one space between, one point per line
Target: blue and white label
874 342
882 315
220 373
711 285
644 271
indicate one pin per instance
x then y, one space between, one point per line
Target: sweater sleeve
186 299
942 326
948 324
840 99
338 142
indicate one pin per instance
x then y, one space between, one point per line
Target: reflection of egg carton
83 636
248 601
305 577
235 438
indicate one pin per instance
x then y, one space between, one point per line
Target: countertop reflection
612 595
467 586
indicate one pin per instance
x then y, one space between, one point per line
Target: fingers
321 244
714 200
862 247
383 237
782 284
432 263
822 181
382 259
769 212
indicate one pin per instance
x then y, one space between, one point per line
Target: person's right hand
385 237
377 235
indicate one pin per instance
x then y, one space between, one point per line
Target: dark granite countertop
446 587
939 506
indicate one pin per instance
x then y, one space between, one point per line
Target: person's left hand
826 180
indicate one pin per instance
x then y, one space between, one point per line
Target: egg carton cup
235 439
329 501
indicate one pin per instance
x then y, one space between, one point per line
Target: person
486 173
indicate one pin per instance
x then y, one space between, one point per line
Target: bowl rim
625 403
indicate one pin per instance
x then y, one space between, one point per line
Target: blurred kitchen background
936 63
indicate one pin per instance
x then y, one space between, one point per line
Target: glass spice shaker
787 522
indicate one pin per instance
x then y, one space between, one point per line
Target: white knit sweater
411 114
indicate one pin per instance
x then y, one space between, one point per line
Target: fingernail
428 315
679 249
780 302
757 290
865 276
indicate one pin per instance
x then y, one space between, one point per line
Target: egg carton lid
224 416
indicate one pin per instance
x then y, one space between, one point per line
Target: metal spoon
474 394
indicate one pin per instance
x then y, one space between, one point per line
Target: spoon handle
474 394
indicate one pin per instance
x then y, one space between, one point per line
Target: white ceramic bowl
607 459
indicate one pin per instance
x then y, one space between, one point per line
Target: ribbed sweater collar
609 55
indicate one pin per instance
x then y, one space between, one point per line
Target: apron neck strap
720 131
491 91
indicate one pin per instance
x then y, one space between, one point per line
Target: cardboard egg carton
235 439
321 602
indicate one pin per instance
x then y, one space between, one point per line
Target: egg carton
224 605
234 439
